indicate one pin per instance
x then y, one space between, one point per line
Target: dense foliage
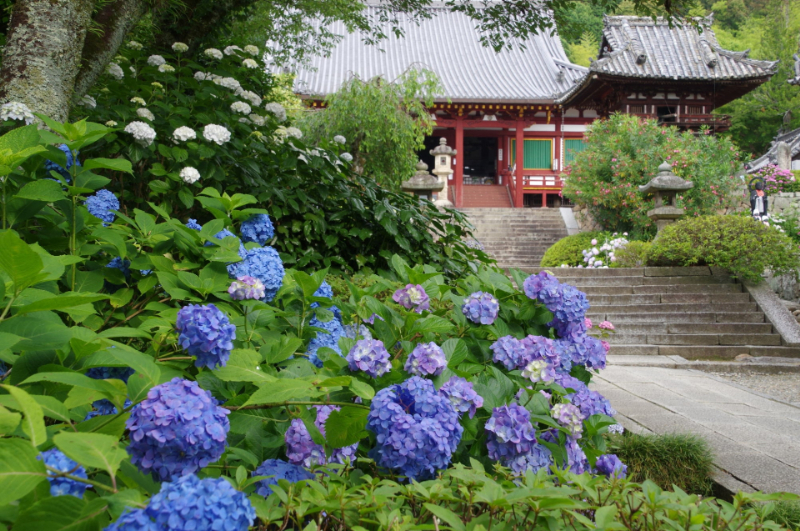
633 254
569 250
624 152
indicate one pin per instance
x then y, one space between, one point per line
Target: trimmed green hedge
568 250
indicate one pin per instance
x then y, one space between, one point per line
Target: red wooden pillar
520 162
459 169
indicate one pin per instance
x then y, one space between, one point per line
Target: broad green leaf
51 406
40 331
42 190
8 421
58 513
94 450
346 426
19 261
109 164
448 516
20 471
336 381
455 350
283 350
432 323
124 331
76 380
59 302
605 515
113 425
113 237
243 366
21 138
364 390
281 391
33 423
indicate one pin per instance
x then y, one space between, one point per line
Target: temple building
533 97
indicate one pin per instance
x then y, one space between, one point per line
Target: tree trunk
43 52
115 20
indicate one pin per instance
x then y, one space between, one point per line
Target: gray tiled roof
641 47
771 156
449 45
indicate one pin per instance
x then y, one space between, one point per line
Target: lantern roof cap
443 149
665 181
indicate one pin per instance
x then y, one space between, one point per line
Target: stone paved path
755 438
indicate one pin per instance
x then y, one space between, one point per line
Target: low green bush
634 254
739 244
786 513
569 250
680 459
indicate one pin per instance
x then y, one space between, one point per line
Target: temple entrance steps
692 312
516 237
486 196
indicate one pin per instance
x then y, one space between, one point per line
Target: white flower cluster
179 47
216 133
252 50
231 49
183 133
138 100
190 175
115 71
142 133
133 45
88 101
144 113
201 76
346 157
132 69
281 133
601 258
14 110
111 123
156 60
249 95
258 120
227 82
157 85
277 110
339 139
213 53
167 69
240 107
250 63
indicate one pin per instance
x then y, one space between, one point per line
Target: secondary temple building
535 98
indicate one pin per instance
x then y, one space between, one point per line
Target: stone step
695 339
644 281
678 317
683 289
695 271
668 308
632 328
671 298
703 352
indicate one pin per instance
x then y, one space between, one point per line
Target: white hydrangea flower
138 100
200 76
216 133
156 60
276 109
133 45
258 120
347 157
111 123
240 107
295 132
87 101
213 53
133 70
227 82
14 110
250 63
115 71
252 50
167 69
142 133
339 139
249 95
183 133
157 85
231 49
145 113
244 120
179 47
190 175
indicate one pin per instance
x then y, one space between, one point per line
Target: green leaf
283 350
20 471
60 513
92 450
33 424
243 366
8 421
59 302
42 190
448 516
19 261
605 515
51 406
346 426
123 165
455 350
76 380
364 390
281 391
433 324
40 331
112 237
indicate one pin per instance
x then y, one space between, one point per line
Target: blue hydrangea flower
571 306
576 458
357 332
49 165
207 333
481 308
369 356
462 395
104 407
333 331
122 265
257 229
511 439
589 402
371 319
324 290
246 288
417 429
301 450
611 466
412 297
193 224
568 416
101 204
177 430
540 284
583 350
569 330
262 263
279 469
427 359
61 486
508 352
134 520
200 504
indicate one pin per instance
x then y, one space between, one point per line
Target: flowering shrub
776 180
568 250
603 256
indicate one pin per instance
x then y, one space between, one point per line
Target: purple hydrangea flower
462 395
509 352
511 440
200 504
538 348
371 319
333 331
101 204
279 469
587 401
246 288
369 356
583 350
427 359
104 407
61 486
481 308
576 458
262 263
610 466
49 165
541 283
302 450
417 429
177 430
134 520
412 297
257 229
572 305
569 416
539 371
569 330
205 332
193 224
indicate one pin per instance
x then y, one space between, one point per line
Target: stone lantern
422 184
442 155
665 186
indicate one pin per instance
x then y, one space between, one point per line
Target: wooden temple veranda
534 97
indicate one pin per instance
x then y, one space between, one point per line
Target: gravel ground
784 387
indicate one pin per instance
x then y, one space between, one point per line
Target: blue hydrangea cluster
412 297
569 416
246 288
481 308
571 307
302 450
417 429
576 458
538 348
514 353
427 359
611 466
49 165
200 504
257 229
462 395
569 330
61 486
333 331
193 224
262 263
357 332
134 520
583 350
279 469
511 439
369 356
104 407
206 332
177 430
122 265
101 204
324 290
587 401
543 287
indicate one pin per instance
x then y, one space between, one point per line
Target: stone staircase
486 196
517 237
692 312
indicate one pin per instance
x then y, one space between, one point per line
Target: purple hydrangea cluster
206 332
583 350
101 204
417 429
257 229
357 332
246 288
279 469
369 356
333 331
104 407
611 466
543 287
262 263
49 165
572 306
61 486
587 401
177 430
412 297
539 371
303 451
511 439
481 308
569 416
462 395
514 353
427 359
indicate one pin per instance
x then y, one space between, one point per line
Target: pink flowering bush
776 180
